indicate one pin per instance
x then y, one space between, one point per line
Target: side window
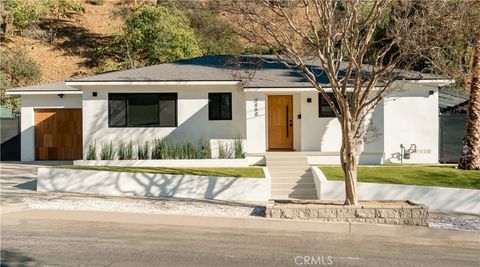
324 109
220 106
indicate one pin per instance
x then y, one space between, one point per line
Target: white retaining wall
437 198
175 163
158 185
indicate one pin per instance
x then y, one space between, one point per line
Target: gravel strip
148 207
201 208
455 222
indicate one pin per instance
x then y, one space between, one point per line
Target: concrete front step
300 191
294 196
287 163
298 173
288 167
292 187
293 181
292 178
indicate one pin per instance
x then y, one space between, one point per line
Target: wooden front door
280 122
58 134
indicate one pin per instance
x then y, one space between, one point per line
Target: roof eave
433 82
43 92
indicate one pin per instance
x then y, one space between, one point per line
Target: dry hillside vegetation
72 50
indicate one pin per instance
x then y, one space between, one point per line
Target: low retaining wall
172 163
158 185
383 212
437 198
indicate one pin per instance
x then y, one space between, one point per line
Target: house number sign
255 107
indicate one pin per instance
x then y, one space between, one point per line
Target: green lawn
445 176
247 172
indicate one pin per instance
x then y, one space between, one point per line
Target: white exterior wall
31 102
411 117
318 134
405 117
192 106
325 134
256 122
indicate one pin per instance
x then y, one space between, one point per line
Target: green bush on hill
16 69
153 35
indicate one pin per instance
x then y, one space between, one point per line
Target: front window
142 110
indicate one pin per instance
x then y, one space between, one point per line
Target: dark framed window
142 110
220 106
324 109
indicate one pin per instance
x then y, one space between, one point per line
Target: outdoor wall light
60 95
309 100
94 94
431 92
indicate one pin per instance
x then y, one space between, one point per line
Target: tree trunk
348 159
470 158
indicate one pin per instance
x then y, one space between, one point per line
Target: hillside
71 52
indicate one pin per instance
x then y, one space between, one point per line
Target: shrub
224 151
205 150
92 151
125 151
154 35
238 146
107 152
166 149
26 12
189 150
143 151
95 2
174 150
16 69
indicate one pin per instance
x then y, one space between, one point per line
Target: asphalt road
77 243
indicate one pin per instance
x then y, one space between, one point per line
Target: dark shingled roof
448 98
255 71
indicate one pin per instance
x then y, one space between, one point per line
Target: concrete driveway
19 180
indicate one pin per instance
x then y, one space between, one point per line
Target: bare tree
338 37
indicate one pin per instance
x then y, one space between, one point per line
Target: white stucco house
271 107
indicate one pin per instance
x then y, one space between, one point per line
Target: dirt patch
72 51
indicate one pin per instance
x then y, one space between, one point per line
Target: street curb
246 223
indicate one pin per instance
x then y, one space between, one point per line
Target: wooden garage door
58 134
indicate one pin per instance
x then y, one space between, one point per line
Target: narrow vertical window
220 106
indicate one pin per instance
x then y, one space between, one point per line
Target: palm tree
470 158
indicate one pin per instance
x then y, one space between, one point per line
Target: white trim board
46 92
